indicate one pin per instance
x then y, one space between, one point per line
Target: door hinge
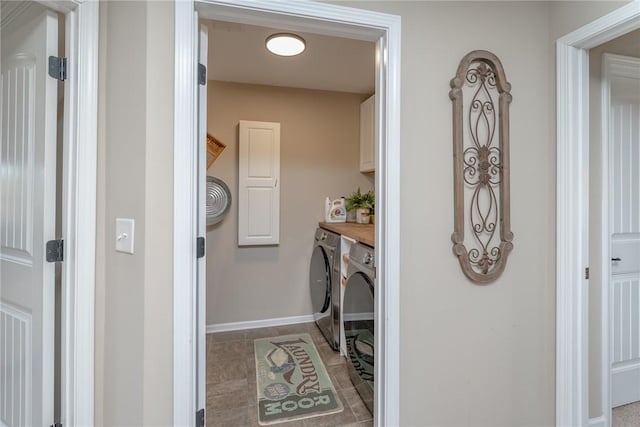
55 250
200 418
586 273
202 74
200 247
58 68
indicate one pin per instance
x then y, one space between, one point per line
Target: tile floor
231 380
627 415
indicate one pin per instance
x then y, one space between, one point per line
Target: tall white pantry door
258 183
624 190
27 214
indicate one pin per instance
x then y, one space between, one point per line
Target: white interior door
258 189
202 224
27 214
624 185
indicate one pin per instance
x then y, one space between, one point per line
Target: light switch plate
124 235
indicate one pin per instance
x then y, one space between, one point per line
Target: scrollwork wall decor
482 237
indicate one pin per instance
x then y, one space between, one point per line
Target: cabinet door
258 192
367 135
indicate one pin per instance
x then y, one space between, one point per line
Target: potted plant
372 215
362 203
370 200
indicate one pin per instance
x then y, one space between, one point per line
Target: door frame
572 210
327 19
612 66
80 141
78 208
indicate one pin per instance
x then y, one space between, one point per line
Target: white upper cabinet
258 186
367 135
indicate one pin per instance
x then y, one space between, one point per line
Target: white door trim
79 209
185 215
572 209
80 140
326 19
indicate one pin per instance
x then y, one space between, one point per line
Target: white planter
362 215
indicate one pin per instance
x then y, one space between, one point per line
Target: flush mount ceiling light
285 44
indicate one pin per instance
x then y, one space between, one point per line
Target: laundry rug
292 381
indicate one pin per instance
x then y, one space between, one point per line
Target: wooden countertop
363 233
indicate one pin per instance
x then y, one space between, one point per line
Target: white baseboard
598 422
624 383
252 324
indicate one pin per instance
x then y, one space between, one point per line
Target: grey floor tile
342 418
340 376
317 336
252 334
250 349
251 368
225 402
358 407
227 336
211 374
226 361
361 411
228 418
368 423
231 380
329 357
627 415
252 415
225 350
351 395
300 328
225 369
226 387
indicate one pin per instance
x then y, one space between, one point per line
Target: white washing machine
358 308
324 284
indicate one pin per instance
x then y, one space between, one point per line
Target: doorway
573 237
328 20
290 126
614 298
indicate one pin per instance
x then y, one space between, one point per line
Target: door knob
616 259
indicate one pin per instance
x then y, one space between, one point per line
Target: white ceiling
237 53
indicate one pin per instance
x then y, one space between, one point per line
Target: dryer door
320 287
358 318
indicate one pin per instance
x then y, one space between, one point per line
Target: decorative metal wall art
482 237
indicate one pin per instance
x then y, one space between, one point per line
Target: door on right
624 226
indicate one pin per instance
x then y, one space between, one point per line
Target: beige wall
134 314
124 186
475 355
158 288
496 342
470 355
567 16
319 157
628 45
